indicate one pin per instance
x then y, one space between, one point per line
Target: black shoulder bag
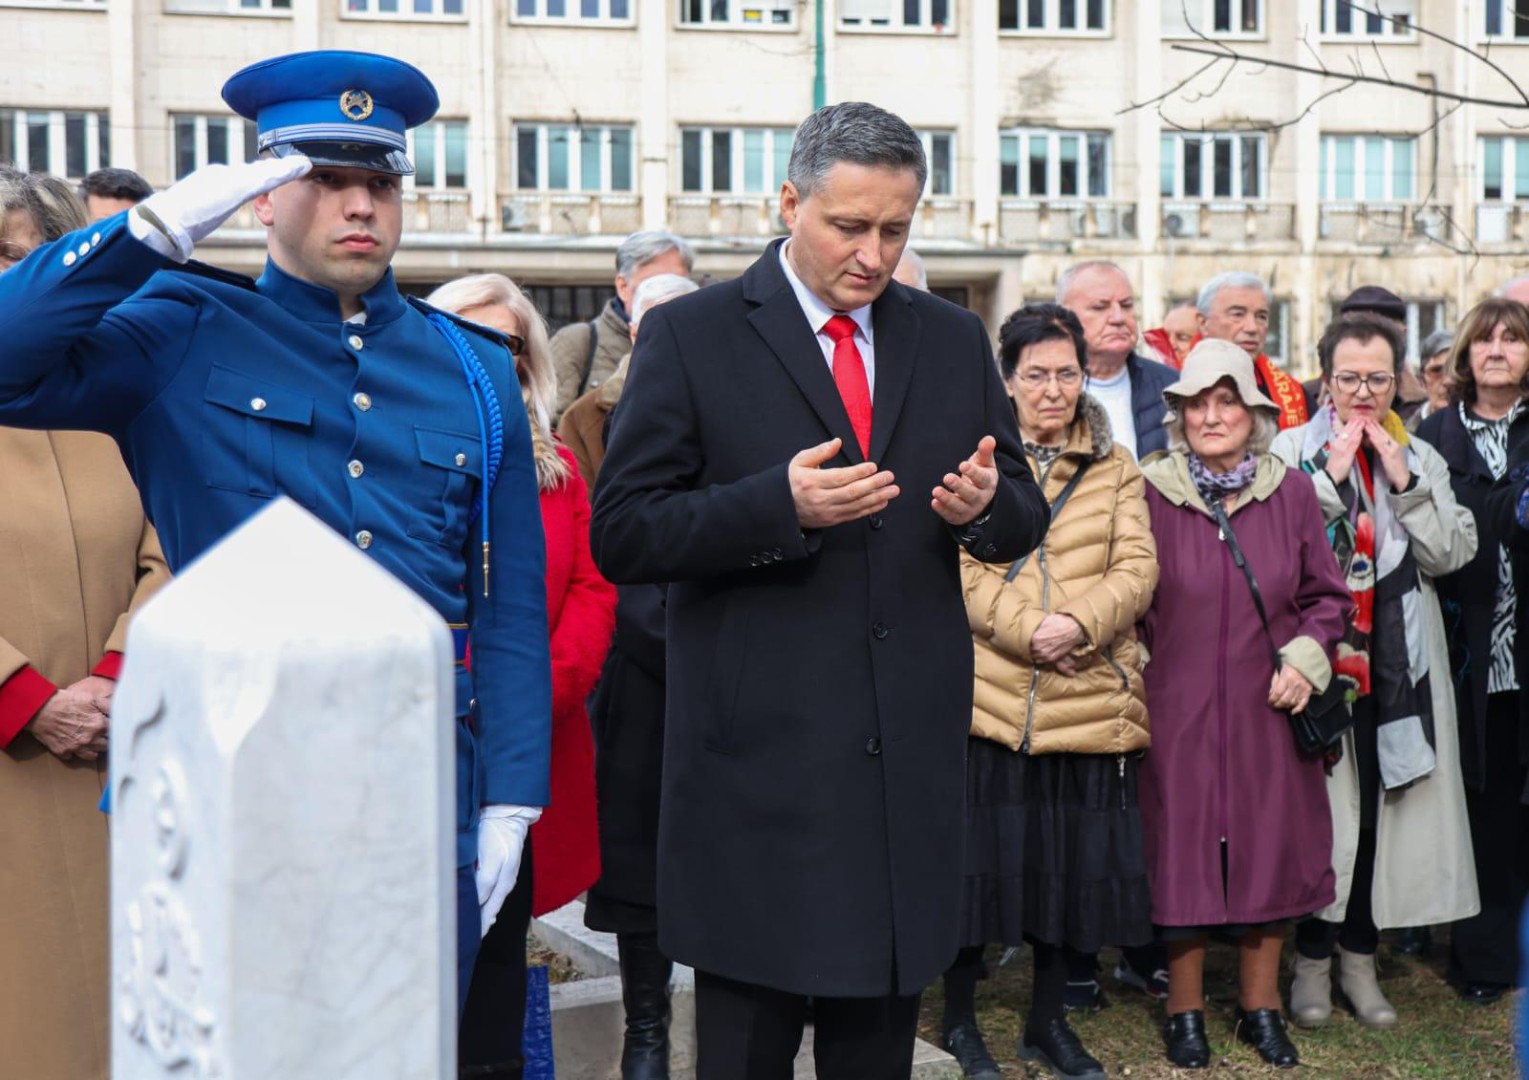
1319 726
1056 508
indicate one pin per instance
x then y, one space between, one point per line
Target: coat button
84 249
460 459
69 258
355 468
362 401
879 629
876 521
363 539
258 404
95 238
873 746
753 560
356 342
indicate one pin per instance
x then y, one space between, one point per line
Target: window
404 9
560 157
439 152
1504 168
1224 166
1055 16
747 160
228 7
1276 345
69 144
738 13
210 140
1369 18
939 154
1358 168
561 305
920 15
1214 18
580 11
1508 19
1054 164
1423 318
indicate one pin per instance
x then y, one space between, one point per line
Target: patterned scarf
1491 440
1384 652
1214 485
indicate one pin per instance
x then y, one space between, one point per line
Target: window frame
542 128
246 135
737 153
264 9
927 137
1328 169
1514 147
573 15
1504 10
437 127
1208 140
1206 22
57 5
372 15
57 139
735 22
1387 35
1052 16
926 28
1053 141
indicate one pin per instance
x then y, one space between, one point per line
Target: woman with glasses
1059 721
1402 847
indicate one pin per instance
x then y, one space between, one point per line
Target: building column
1155 270
1308 307
122 32
490 130
305 25
978 144
656 134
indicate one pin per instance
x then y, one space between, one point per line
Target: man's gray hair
659 289
1064 283
1510 284
1435 343
856 132
1232 279
641 248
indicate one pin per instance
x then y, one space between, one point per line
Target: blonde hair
481 290
51 204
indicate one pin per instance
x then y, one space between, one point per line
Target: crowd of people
770 712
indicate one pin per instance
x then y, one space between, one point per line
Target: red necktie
849 377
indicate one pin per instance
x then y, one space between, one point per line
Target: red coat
581 612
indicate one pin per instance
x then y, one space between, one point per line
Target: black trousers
747 1032
1484 949
493 1020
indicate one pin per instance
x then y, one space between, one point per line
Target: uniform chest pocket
257 437
451 463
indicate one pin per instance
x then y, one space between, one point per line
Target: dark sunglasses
517 345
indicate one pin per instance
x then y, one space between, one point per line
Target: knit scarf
1384 651
1214 485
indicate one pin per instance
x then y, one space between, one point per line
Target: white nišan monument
282 781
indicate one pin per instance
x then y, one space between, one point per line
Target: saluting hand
827 497
966 494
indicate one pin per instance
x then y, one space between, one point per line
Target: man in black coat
776 439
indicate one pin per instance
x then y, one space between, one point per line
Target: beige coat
582 427
570 352
1425 872
75 557
1099 565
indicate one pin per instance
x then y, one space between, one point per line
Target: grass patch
1439 1037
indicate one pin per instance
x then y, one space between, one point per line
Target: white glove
192 208
501 841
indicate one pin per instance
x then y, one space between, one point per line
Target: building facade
1056 130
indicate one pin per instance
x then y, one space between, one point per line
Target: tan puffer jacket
1099 565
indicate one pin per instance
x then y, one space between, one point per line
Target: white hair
658 289
1232 279
641 248
1064 283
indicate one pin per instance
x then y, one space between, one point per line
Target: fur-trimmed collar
1090 435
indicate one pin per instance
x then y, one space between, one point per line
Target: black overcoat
819 683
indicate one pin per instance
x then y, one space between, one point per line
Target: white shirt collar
817 312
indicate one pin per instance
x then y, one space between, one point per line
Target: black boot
1264 1030
1412 941
506 1070
1184 1034
1055 1045
964 1041
645 992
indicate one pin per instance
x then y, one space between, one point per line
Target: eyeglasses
517 345
1350 382
1035 379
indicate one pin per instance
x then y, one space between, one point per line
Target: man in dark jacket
802 453
1129 386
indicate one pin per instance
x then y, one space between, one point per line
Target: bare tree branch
1483 56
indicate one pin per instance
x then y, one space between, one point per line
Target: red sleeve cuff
21 696
110 666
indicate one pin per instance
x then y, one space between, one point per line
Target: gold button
258 404
363 539
362 401
356 342
356 468
69 258
84 249
461 459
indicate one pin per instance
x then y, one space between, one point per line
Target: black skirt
1053 850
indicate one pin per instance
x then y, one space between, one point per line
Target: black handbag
1318 727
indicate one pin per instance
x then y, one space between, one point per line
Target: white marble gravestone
283 899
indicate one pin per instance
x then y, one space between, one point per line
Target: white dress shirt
818 314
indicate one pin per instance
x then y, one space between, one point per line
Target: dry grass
1439 1035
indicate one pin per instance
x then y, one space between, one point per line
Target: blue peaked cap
341 108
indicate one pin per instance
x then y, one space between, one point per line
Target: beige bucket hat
1208 363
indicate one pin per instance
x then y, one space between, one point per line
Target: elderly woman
1489 371
1238 834
76 556
1059 718
1401 843
564 856
1435 356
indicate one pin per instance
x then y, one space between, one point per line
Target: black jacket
1148 378
819 684
1501 519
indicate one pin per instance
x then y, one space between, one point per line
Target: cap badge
356 104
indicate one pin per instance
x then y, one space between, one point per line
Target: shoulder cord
490 423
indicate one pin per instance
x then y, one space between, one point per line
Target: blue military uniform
224 392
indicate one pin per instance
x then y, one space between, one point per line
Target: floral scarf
1214 485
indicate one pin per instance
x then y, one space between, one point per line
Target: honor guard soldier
322 382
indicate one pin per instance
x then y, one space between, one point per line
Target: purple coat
1223 764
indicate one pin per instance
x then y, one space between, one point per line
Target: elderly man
910 270
1129 386
1235 306
584 355
1172 340
1515 289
